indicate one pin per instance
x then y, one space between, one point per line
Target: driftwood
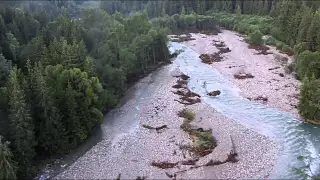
184 77
261 98
189 162
156 128
261 49
189 103
164 165
270 69
141 178
243 76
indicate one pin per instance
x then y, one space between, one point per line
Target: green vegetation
187 114
309 100
62 65
308 64
186 23
60 71
203 141
255 38
7 165
305 171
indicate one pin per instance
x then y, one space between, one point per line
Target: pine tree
238 8
163 11
275 8
304 25
77 99
247 7
5 68
49 127
2 33
21 123
183 10
13 46
8 166
313 35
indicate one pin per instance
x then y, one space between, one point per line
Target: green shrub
287 50
271 41
308 64
299 48
252 28
187 114
279 45
276 33
204 139
255 38
241 28
309 100
289 68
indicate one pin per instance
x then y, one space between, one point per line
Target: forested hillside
291 26
59 75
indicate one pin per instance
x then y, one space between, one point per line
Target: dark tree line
58 75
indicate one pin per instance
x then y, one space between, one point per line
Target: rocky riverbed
128 149
270 84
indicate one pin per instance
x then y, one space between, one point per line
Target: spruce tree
13 45
8 166
21 123
304 25
313 35
5 68
183 10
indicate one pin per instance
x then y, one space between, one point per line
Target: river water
295 137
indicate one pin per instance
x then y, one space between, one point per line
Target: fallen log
164 165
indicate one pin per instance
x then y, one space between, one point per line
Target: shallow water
295 138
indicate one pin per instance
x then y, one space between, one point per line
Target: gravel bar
131 153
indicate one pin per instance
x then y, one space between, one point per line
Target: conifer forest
64 64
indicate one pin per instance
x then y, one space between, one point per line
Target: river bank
128 149
270 82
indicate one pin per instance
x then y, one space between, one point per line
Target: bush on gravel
255 38
187 114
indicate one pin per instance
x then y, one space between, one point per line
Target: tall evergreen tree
5 68
13 47
8 166
304 24
313 35
21 123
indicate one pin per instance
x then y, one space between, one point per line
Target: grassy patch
203 142
187 114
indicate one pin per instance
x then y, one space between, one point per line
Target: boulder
214 93
296 75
